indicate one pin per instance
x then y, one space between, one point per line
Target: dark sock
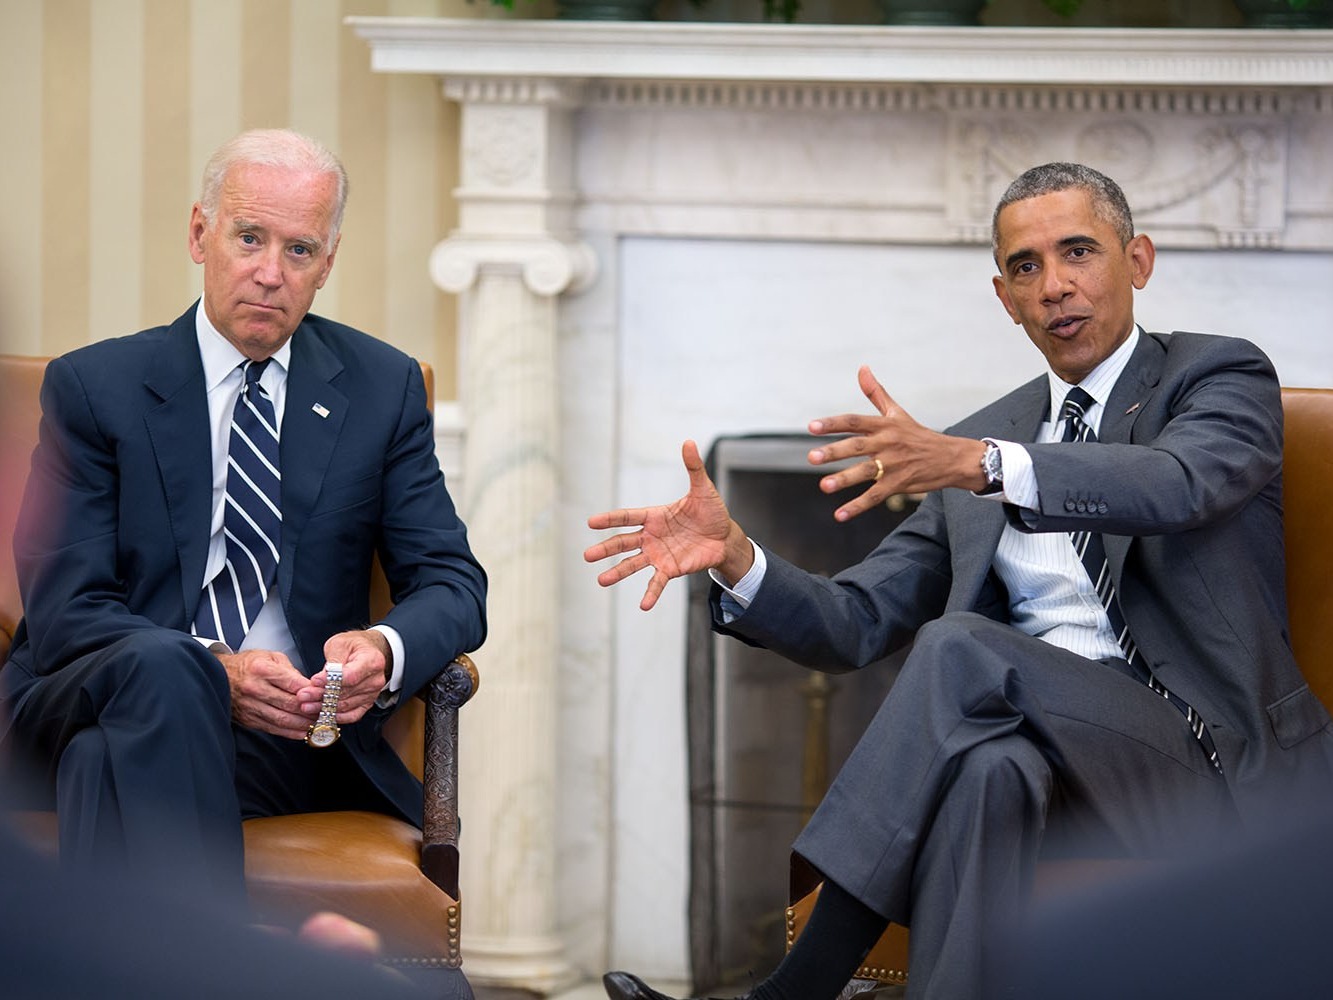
840 933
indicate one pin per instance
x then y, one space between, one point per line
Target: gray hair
1108 201
273 147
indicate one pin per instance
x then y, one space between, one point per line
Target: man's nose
268 270
1056 283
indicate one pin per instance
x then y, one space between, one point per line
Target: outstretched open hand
898 455
692 534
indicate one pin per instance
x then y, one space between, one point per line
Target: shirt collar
1099 382
220 356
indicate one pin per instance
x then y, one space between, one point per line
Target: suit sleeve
1203 451
437 585
863 613
65 543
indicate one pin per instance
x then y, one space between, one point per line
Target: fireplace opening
765 735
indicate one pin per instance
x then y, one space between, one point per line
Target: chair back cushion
1307 485
20 382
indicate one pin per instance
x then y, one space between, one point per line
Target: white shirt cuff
395 682
1020 482
735 599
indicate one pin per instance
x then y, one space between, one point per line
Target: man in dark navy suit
190 654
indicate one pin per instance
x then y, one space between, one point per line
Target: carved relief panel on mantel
1197 172
902 163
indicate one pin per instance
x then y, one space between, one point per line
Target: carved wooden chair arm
439 842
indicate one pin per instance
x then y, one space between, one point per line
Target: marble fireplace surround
685 230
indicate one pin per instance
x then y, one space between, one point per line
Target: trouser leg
138 741
975 864
1119 755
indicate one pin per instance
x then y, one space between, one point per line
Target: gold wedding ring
879 469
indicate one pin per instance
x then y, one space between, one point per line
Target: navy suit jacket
1186 488
115 526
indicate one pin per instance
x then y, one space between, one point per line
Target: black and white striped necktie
252 520
1090 549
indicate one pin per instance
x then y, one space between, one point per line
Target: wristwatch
992 467
324 730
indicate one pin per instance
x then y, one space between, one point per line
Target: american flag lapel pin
321 409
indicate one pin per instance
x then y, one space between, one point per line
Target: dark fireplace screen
765 735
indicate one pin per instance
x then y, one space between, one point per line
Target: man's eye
301 251
249 239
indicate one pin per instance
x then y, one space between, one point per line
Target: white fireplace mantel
673 230
848 54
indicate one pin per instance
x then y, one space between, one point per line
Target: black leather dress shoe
623 986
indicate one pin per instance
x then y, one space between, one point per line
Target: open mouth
1066 326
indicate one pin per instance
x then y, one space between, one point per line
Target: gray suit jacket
1187 491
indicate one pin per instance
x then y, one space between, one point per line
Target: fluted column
511 257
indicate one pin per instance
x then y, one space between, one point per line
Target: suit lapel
1132 390
311 423
1129 398
979 526
178 429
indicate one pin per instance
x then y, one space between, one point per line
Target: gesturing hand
913 458
266 692
695 533
365 658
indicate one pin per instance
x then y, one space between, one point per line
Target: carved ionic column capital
549 266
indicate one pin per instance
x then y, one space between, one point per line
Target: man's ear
198 224
1002 293
1141 255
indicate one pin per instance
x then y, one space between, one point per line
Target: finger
621 570
352 713
869 471
873 390
655 587
694 464
631 541
859 446
857 507
268 719
623 518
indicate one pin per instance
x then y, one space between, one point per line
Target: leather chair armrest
439 842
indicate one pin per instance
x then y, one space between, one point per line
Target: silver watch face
322 735
991 464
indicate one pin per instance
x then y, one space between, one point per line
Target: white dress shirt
223 380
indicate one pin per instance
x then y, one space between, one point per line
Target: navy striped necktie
252 519
1092 552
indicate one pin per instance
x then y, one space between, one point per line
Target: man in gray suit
1094 590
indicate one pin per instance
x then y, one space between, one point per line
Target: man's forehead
1069 214
293 201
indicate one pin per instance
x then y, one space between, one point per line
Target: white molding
836 53
548 266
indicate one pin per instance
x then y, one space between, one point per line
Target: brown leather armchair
377 870
1307 483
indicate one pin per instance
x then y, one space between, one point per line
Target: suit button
1103 507
1069 504
1083 506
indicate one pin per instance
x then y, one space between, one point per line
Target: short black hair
1108 201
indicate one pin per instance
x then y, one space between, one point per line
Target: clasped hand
269 694
697 531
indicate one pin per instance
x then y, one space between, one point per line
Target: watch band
324 731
